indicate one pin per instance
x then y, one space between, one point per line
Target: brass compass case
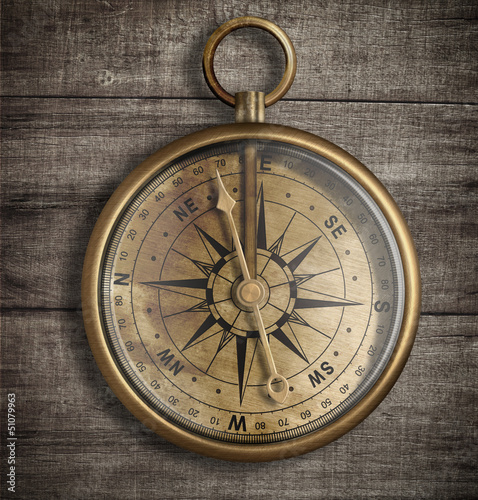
168 320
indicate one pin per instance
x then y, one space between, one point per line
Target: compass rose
206 301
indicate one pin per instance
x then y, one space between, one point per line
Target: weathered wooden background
92 87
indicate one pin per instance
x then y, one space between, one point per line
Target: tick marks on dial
157 336
153 258
165 234
347 252
218 391
287 195
336 353
194 379
311 207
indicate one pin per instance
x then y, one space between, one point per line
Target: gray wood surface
91 88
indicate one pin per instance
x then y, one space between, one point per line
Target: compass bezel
91 282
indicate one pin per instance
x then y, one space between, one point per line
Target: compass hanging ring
249 22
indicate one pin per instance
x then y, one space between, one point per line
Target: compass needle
187 322
250 294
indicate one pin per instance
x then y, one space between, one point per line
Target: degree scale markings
300 279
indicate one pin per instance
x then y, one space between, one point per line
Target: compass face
187 347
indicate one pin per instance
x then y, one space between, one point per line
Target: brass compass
251 291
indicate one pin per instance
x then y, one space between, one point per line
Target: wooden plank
75 436
62 159
350 50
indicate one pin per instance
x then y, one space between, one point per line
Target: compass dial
173 300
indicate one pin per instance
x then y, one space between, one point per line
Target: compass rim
91 281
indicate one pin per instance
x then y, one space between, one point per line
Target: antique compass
251 291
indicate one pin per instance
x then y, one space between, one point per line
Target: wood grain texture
373 50
90 88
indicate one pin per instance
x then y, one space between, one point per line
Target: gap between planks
179 98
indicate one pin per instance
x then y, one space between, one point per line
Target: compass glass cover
333 306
